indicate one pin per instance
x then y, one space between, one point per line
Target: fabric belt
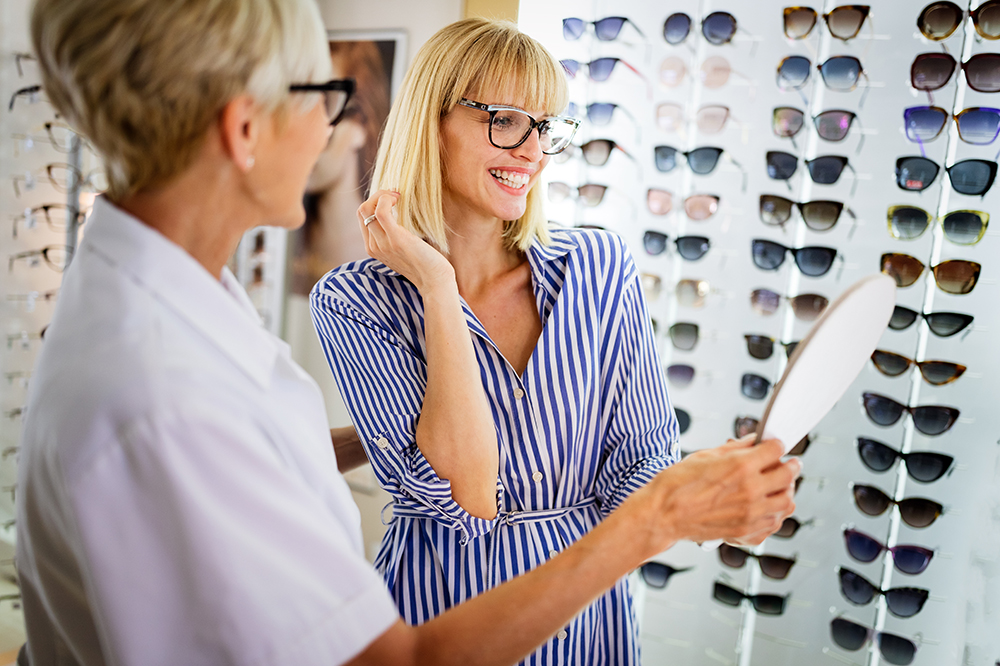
400 510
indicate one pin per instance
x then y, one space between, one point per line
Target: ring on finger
368 220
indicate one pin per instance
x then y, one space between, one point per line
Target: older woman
178 498
503 375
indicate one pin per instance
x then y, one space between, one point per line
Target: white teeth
511 179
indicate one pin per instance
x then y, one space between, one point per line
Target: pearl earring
250 162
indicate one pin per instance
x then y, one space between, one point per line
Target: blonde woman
502 375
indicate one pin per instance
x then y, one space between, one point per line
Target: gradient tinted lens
926 467
781 165
882 410
700 207
732 556
889 363
905 601
814 261
608 28
821 215
712 119
862 547
659 202
855 587
939 373
934 419
598 151
754 386
760 346
692 248
915 173
957 276
559 191
896 649
768 604
799 22
692 293
986 18
908 222
676 28
665 158
571 67
871 500
601 68
902 318
672 71
848 635
684 336
919 512
669 116
768 255
718 27
924 123
775 567
764 301
680 375
931 71
573 28
715 72
599 113
911 559
656 574
903 268
841 73
654 242
845 22
787 121
979 125
834 125
946 324
703 160
727 595
807 307
788 528
875 455
939 19
592 194
801 446
775 210
826 170
683 420
982 71
793 72
973 177
965 227
745 425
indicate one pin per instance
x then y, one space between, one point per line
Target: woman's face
480 179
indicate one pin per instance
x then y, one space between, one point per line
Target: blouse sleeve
383 382
642 437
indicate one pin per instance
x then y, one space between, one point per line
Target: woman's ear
239 128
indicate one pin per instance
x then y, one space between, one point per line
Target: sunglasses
907 559
57 257
955 276
693 293
775 211
931 420
937 373
754 386
790 526
939 20
932 71
590 194
941 324
824 170
916 512
766 604
901 601
962 227
691 248
718 28
973 177
843 22
510 127
684 336
710 119
832 125
745 425
701 160
762 347
772 566
598 70
813 260
922 466
683 420
839 73
657 575
606 29
699 207
680 374
853 636
977 125
596 152
598 113
714 73
807 307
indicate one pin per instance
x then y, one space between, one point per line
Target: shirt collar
220 310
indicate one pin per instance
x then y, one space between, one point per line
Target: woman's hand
399 249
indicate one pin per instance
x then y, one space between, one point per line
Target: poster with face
340 180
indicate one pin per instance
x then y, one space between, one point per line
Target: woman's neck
477 252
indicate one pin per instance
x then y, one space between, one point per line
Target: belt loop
381 515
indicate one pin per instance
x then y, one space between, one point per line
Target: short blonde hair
461 60
143 80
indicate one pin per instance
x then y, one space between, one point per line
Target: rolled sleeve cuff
634 478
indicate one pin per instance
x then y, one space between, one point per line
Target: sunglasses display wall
869 142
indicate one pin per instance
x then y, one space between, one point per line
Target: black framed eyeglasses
511 126
336 94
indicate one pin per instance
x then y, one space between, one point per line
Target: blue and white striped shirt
587 424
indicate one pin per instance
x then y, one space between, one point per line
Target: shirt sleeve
383 382
642 437
202 547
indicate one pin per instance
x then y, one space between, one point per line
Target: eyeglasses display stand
683 622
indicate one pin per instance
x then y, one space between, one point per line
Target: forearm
456 433
348 449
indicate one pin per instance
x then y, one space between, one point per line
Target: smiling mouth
511 179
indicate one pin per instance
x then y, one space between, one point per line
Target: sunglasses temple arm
854 174
649 88
868 85
854 222
641 33
742 170
861 131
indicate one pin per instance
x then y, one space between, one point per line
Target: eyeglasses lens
793 72
669 116
759 346
826 170
902 318
979 126
719 28
986 18
683 420
848 635
676 28
715 72
871 500
727 595
939 20
781 165
821 215
601 68
808 307
592 194
934 419
692 293
845 22
672 71
957 276
692 248
875 455
927 467
597 152
862 547
599 113
911 559
608 28
841 73
700 207
908 222
889 363
915 173
665 158
814 261
684 336
973 177
902 267
572 28
882 410
982 71
924 123
754 386
732 556
905 601
764 301
768 604
788 528
775 210
774 567
799 22
787 121
896 649
965 227
745 425
834 125
656 574
712 119
659 202
946 324
768 255
704 160
931 71
856 587
680 375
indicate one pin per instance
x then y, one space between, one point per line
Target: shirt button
518 393
537 476
562 634
382 443
553 553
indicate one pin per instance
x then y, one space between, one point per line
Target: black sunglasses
336 94
775 211
840 73
853 636
691 248
974 177
824 170
922 466
606 29
718 28
790 526
658 575
908 559
929 419
762 347
754 386
772 566
916 512
941 324
684 335
901 601
813 260
767 604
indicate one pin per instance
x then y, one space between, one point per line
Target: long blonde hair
461 60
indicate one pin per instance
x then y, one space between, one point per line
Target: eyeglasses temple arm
649 88
641 33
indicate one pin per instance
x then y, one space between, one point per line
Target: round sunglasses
936 373
718 28
939 20
901 601
775 211
813 260
853 636
917 512
941 324
908 559
955 276
977 125
698 207
931 420
933 71
922 466
773 566
962 227
843 22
